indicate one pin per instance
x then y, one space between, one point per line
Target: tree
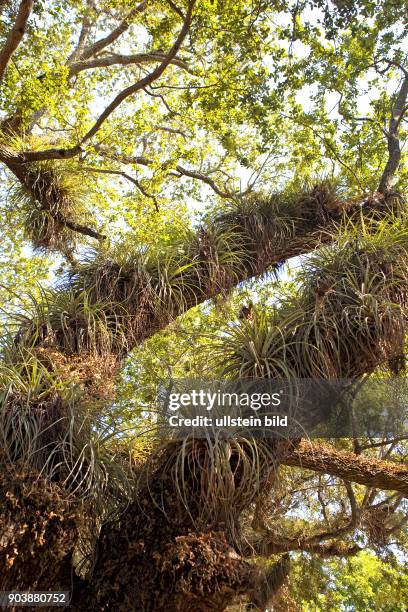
118 119
359 582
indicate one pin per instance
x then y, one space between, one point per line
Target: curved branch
15 35
30 156
347 465
100 44
147 80
177 172
205 179
80 229
132 179
281 544
116 59
394 147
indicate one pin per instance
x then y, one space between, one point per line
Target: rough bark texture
158 556
394 146
38 530
371 472
16 34
161 557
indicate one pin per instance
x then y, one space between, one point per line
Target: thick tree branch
394 147
355 468
116 59
15 35
151 530
84 33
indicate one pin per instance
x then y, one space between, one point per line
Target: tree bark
38 531
16 34
367 471
394 146
163 557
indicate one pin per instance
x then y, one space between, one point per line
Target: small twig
133 180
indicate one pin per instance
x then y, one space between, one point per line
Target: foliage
363 582
160 164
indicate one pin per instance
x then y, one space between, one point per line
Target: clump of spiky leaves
56 376
50 429
72 321
31 411
79 332
51 196
138 289
264 223
144 290
151 288
279 215
112 302
52 426
212 480
117 297
75 338
348 317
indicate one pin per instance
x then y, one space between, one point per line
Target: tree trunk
38 532
162 556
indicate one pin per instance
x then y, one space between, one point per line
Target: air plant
50 197
348 319
348 316
107 305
